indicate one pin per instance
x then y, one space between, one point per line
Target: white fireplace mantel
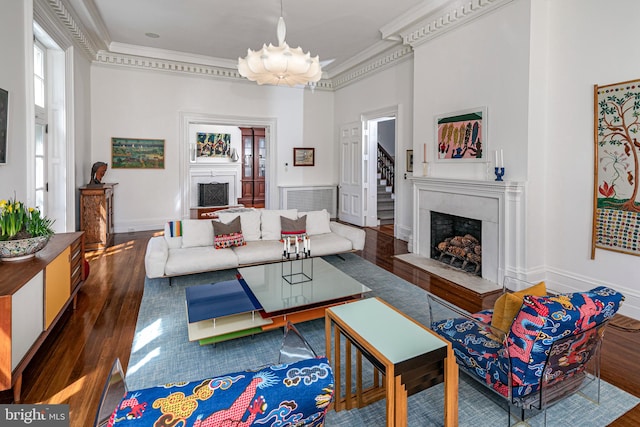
499 205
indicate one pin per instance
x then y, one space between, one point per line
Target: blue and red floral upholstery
287 394
568 323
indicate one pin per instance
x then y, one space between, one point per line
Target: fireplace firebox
456 241
213 194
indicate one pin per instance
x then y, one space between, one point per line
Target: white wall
388 88
136 103
81 125
482 63
598 47
535 73
15 32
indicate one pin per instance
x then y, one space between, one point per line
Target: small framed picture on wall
304 156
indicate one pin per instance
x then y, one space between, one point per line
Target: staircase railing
386 166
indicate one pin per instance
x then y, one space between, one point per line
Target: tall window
39 86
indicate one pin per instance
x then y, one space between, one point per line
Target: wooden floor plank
73 363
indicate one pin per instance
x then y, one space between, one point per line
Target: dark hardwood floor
74 361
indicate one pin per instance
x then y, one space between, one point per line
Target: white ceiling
221 31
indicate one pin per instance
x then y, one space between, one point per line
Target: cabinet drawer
77 263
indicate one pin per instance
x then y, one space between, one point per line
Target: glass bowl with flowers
23 230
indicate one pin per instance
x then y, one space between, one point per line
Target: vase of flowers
23 231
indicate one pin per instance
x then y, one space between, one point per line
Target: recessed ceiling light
152 35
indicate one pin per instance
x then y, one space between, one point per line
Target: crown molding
170 55
399 37
391 31
452 15
57 14
157 64
371 52
90 16
391 57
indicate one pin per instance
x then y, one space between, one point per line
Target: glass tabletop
276 294
394 335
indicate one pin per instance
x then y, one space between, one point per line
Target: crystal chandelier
278 65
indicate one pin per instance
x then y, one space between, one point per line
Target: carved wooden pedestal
96 215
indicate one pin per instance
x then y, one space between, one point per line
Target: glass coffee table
278 300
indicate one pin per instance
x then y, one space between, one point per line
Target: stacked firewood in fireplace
462 248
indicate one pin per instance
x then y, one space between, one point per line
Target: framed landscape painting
616 205
134 153
462 135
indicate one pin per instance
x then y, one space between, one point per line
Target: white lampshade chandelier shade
280 65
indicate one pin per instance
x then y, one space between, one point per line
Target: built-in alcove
197 169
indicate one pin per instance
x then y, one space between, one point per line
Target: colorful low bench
287 394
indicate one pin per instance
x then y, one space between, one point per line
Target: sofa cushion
227 235
198 259
270 222
249 220
259 251
328 244
196 232
317 222
294 228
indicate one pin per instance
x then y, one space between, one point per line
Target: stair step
385 205
385 215
386 221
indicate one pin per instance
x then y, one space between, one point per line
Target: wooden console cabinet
33 296
96 215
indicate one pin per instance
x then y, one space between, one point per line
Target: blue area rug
162 353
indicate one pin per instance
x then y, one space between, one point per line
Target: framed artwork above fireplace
461 136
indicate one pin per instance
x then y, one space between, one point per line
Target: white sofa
193 251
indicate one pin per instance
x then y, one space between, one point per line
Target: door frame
191 118
371 215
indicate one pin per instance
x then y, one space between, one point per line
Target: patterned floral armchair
551 349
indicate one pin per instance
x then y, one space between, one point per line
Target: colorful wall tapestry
616 216
213 144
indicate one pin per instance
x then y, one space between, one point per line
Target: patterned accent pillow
294 228
227 235
175 228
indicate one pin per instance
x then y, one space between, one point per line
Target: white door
351 189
